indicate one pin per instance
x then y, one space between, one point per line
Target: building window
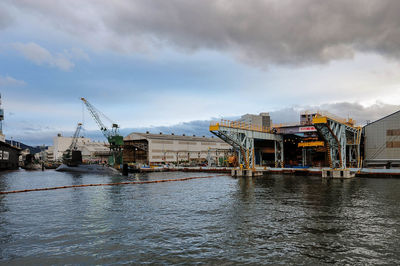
392 144
393 132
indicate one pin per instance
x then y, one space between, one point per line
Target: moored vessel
72 160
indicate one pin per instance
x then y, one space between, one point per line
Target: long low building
146 148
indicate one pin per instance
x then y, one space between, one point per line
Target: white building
262 120
160 148
95 151
90 149
50 153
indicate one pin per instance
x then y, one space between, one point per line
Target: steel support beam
242 140
342 140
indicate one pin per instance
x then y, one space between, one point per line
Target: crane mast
68 155
73 147
115 140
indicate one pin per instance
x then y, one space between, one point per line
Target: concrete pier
265 171
337 173
245 172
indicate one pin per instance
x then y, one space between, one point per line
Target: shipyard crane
112 135
68 154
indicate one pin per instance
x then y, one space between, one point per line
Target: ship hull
9 157
88 168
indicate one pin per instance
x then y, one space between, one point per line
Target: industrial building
91 151
264 144
319 139
382 142
153 149
263 119
303 145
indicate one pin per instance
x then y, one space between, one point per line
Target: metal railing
349 122
293 124
242 125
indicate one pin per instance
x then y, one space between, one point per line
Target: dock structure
342 139
320 140
241 136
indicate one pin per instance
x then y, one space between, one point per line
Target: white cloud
360 113
10 81
365 79
76 54
42 56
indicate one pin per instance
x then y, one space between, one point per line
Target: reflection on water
269 220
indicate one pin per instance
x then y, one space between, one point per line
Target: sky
176 65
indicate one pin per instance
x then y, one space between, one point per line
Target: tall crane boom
115 140
73 147
68 156
95 113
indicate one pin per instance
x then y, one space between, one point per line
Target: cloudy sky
176 64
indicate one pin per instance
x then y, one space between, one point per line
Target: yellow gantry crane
342 139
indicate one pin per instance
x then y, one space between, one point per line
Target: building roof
382 118
3 143
94 147
138 136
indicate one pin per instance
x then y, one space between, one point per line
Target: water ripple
271 220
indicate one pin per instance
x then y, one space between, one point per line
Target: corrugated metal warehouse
151 149
382 141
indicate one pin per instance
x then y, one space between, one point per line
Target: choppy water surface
221 220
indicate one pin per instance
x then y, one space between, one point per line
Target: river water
220 220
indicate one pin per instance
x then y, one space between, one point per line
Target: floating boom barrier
109 184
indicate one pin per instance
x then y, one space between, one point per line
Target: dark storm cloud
283 32
258 32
